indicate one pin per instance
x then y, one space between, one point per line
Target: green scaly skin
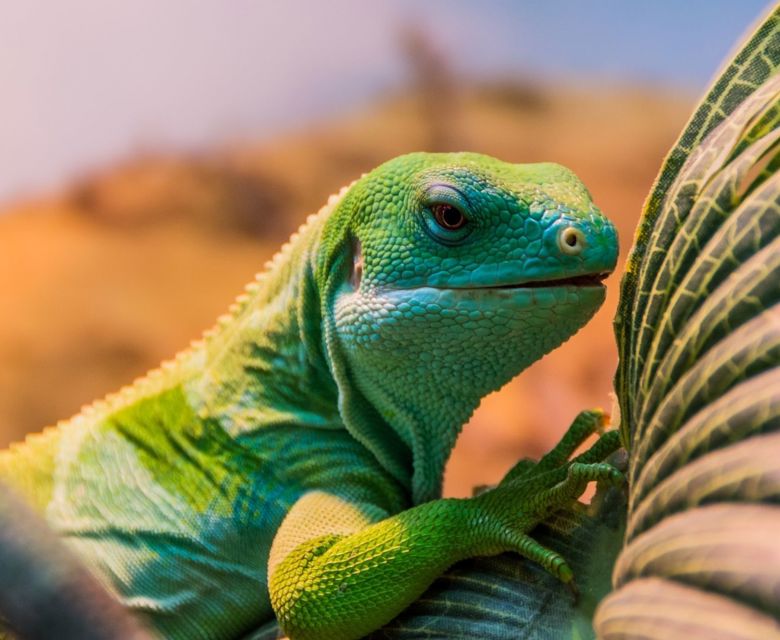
291 462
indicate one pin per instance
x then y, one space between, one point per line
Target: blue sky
92 81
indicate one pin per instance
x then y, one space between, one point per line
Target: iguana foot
530 492
585 425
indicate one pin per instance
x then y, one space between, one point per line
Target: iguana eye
448 217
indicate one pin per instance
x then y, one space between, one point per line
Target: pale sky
86 82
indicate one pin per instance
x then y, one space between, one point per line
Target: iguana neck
264 365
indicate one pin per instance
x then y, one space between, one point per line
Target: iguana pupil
448 216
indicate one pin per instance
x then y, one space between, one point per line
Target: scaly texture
294 456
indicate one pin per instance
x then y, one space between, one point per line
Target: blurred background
154 155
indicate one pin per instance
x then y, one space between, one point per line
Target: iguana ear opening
357 264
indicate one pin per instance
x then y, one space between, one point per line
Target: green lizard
290 463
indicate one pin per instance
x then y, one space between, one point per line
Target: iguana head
463 270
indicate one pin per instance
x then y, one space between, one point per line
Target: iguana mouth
588 280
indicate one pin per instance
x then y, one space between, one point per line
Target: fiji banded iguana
698 331
291 462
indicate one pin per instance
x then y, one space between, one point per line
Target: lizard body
290 463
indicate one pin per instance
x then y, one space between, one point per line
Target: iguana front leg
340 569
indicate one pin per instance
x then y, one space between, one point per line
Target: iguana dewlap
291 461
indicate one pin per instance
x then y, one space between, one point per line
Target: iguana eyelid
447 194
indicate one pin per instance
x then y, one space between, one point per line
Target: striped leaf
698 330
754 63
658 608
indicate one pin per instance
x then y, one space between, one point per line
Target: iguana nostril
571 241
